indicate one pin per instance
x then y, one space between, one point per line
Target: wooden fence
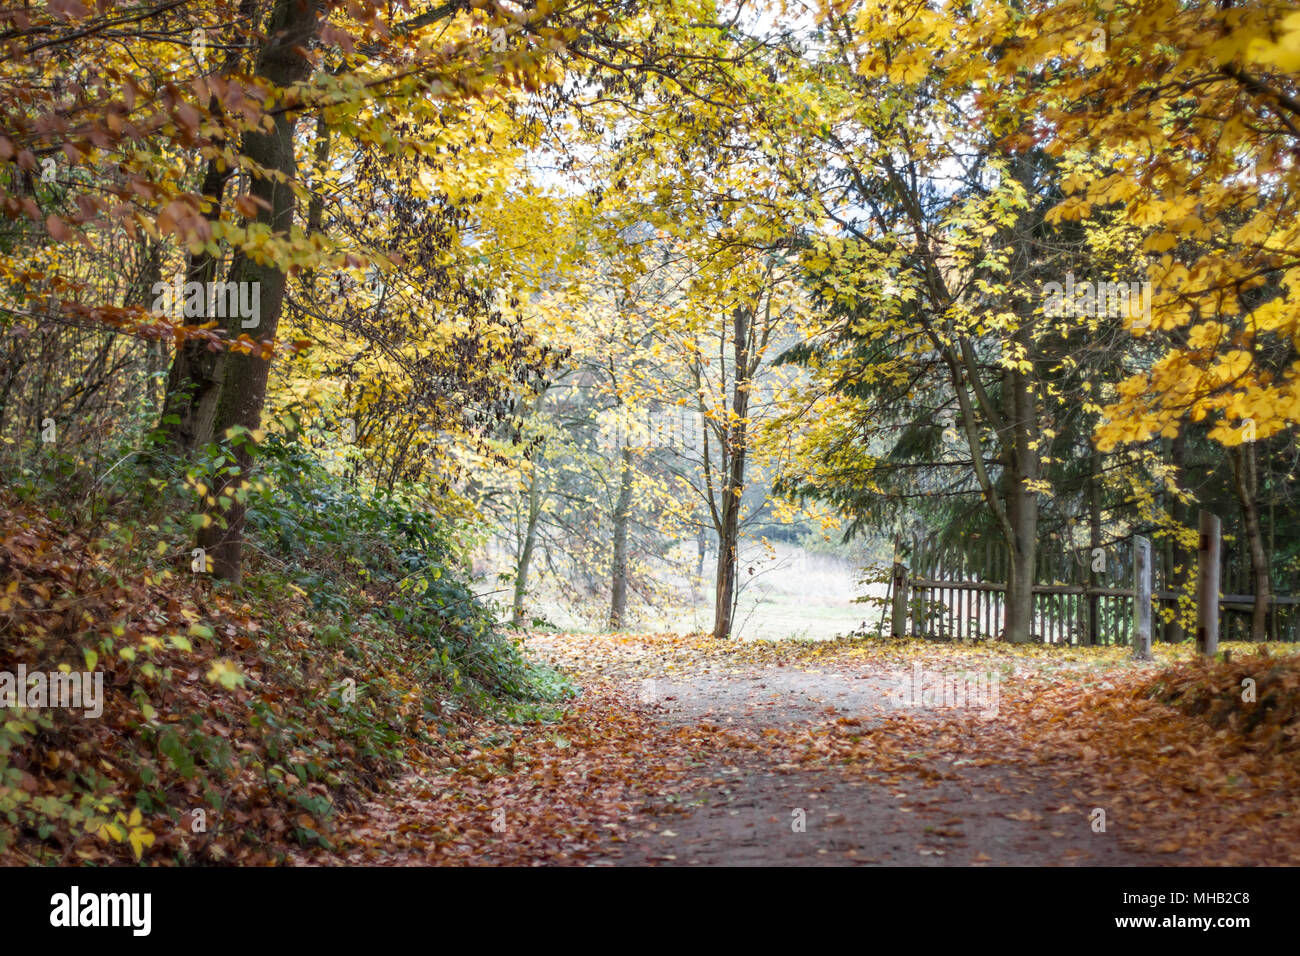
1080 596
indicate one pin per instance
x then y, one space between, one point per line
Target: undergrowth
235 720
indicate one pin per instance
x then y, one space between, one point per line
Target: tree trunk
1022 509
724 583
192 384
526 549
1018 628
243 377
1181 560
618 572
1094 544
1245 467
733 487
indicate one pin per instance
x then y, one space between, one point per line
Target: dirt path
760 813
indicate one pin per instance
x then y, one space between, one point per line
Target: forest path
679 750
951 806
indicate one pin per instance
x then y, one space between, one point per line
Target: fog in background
786 591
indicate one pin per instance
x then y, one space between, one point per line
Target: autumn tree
1189 109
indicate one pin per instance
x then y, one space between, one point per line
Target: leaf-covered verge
1252 700
236 722
540 794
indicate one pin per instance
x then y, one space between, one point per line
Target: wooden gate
1081 596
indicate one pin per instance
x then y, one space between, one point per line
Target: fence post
1092 580
1142 598
1207 585
898 627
